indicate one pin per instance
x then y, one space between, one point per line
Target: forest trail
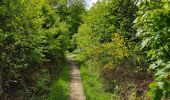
76 89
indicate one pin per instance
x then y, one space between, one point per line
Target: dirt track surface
76 92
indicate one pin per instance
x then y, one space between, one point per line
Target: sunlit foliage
153 28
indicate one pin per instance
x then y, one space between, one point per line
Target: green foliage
31 34
34 35
104 37
153 29
106 41
71 12
93 87
60 88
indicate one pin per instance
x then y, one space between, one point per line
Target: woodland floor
76 88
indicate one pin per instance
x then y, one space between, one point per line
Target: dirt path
76 84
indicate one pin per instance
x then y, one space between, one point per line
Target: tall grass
92 86
60 87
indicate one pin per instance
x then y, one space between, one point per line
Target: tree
153 29
71 12
105 37
31 34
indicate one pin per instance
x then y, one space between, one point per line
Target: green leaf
155 92
159 62
167 85
161 85
145 42
161 75
153 66
150 52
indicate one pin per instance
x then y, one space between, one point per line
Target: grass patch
60 87
92 86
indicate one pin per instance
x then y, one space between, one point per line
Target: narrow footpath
76 92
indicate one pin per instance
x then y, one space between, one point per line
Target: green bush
30 32
153 28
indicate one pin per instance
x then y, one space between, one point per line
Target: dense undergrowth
114 84
34 36
120 39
